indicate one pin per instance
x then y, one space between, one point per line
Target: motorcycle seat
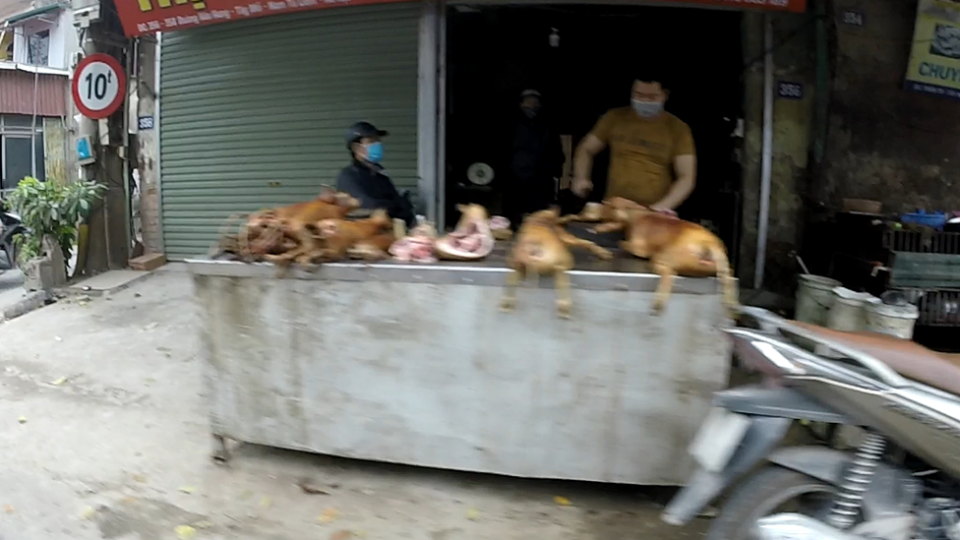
907 358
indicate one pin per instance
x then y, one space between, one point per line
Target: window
19 155
38 48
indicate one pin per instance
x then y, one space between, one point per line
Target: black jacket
535 151
375 191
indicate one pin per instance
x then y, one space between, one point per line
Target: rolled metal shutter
254 113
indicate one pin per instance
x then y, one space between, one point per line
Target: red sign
148 16
796 6
99 86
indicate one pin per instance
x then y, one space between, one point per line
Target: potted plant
51 212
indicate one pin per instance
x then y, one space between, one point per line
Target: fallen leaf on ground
562 501
328 515
309 487
246 494
341 535
59 381
265 502
9 509
88 513
203 524
22 419
140 478
185 532
129 500
473 514
187 489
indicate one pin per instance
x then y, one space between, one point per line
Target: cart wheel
221 454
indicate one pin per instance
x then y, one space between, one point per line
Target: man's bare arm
685 168
590 146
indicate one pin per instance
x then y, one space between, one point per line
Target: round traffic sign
99 85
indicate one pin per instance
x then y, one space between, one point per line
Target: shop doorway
582 59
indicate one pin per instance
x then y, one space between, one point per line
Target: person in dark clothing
534 162
364 178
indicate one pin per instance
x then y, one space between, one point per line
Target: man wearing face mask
364 178
534 161
652 156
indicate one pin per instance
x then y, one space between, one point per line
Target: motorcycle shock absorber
856 481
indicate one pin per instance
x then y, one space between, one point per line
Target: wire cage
937 307
926 241
933 255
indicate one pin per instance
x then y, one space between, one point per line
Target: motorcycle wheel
766 491
10 252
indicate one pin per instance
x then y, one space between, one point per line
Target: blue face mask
374 152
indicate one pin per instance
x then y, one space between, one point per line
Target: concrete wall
794 62
887 143
148 149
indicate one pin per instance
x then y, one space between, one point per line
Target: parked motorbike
10 227
901 483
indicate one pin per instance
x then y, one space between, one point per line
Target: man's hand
581 187
663 210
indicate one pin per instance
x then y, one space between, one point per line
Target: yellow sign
935 57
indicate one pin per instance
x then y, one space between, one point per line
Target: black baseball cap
361 130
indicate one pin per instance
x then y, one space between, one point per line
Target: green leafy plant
51 209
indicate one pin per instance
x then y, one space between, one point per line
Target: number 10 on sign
99 86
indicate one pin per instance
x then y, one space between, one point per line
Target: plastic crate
946 243
925 270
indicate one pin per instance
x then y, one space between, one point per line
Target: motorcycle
901 482
10 227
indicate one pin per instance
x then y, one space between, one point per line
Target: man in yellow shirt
652 156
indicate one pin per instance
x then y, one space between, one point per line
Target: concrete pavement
103 434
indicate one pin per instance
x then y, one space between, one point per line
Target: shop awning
148 16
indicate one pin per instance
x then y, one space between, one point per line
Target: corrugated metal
254 113
16 93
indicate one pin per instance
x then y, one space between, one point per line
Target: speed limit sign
99 85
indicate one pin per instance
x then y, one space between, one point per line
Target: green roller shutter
254 113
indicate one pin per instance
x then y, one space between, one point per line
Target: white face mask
647 109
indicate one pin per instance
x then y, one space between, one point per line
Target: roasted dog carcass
593 212
297 222
674 247
367 239
541 247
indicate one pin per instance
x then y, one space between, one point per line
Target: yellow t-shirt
642 152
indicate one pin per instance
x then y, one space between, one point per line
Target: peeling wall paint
148 148
793 62
54 150
887 143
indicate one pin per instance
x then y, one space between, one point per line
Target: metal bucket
815 298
